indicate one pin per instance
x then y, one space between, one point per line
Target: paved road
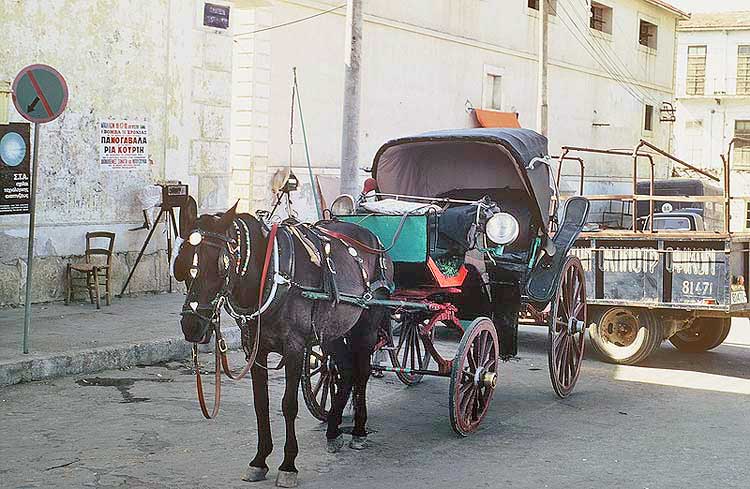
681 421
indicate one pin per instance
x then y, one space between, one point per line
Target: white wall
141 60
718 109
424 59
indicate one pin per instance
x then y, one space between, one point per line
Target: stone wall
140 60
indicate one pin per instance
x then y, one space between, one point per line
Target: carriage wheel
567 328
474 376
410 352
318 381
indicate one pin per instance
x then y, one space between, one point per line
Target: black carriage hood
433 163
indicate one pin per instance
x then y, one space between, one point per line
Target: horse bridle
227 246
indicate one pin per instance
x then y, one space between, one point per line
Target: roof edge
670 8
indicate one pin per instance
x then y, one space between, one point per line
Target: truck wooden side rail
648 285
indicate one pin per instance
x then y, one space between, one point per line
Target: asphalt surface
678 421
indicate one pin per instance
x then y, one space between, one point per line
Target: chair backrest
94 251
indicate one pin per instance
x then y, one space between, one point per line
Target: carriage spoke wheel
318 382
474 376
567 328
410 353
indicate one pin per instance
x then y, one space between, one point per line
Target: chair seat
87 267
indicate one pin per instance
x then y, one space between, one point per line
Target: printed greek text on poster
15 177
123 145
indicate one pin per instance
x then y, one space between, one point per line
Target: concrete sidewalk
78 339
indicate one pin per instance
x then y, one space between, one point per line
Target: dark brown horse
222 263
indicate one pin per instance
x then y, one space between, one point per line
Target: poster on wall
15 150
123 145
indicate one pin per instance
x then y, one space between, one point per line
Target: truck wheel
625 336
705 334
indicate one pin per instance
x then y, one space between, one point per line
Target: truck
667 265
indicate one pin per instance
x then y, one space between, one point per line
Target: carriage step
545 276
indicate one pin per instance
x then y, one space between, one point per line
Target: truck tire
625 335
705 334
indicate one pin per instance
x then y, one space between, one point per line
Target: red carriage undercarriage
527 274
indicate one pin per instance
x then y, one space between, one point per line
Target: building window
648 123
551 5
694 140
696 70
747 214
743 70
492 93
742 148
601 18
647 34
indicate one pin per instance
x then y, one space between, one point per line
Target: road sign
40 93
15 173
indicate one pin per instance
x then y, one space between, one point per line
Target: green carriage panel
411 244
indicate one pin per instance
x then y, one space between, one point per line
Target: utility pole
350 126
542 116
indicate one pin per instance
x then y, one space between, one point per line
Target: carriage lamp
343 205
502 228
195 238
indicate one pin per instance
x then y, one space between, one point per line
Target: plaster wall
140 60
425 61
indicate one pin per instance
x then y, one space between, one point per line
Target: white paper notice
123 145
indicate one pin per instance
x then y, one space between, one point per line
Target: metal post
543 108
30 253
350 126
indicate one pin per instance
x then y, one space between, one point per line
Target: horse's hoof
255 474
358 443
286 479
335 444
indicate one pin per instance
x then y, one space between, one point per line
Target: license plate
738 294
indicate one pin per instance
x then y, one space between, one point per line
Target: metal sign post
40 95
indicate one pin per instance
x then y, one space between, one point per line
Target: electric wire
291 22
615 60
601 58
586 44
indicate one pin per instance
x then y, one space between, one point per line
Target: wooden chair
94 269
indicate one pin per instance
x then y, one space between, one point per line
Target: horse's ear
226 220
188 216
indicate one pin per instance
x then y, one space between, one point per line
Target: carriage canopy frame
435 163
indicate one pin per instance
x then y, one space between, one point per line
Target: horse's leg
258 468
364 338
287 476
343 358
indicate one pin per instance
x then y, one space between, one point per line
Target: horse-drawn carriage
471 222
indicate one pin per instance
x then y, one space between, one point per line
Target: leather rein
220 353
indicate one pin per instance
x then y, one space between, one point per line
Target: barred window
741 158
601 18
647 34
696 70
743 70
551 5
747 216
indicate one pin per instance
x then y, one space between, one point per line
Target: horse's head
206 262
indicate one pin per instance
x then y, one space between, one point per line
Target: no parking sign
40 95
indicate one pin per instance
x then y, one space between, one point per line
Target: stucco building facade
713 95
217 100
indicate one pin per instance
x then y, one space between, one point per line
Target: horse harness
280 253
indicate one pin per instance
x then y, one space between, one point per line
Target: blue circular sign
12 149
